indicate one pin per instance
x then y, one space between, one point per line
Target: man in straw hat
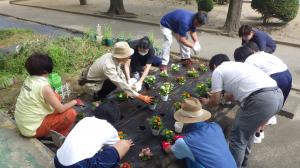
258 94
203 144
105 74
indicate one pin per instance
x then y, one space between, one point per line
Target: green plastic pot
109 42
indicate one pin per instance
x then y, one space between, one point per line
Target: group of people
258 80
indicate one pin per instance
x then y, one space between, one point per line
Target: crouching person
203 144
92 143
141 61
38 107
105 74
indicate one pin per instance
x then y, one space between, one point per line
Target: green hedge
205 5
285 10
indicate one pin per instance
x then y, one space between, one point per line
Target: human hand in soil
146 99
228 97
79 102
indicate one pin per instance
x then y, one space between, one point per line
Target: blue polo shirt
204 145
179 21
263 40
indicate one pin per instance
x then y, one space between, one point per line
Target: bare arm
145 73
127 69
194 36
51 98
213 100
123 147
184 41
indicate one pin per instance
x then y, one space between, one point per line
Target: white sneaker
262 134
257 138
272 121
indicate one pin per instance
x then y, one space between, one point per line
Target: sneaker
272 121
187 62
262 134
257 137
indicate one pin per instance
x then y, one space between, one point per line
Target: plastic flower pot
155 132
164 98
178 127
152 106
165 145
109 42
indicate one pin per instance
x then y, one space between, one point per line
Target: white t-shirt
268 63
86 139
240 79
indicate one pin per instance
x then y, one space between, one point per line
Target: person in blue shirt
203 144
179 23
141 60
262 39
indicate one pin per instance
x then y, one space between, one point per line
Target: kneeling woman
38 107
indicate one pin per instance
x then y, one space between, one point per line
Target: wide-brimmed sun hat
191 111
122 50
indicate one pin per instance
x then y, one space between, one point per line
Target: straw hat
122 50
191 111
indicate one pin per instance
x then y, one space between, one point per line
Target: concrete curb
295 88
141 21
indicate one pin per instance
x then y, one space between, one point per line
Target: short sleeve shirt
268 63
240 79
141 59
179 21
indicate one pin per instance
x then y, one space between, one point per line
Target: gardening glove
196 47
146 99
137 86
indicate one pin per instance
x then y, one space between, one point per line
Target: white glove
197 47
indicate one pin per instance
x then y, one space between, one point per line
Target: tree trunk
116 7
232 23
83 2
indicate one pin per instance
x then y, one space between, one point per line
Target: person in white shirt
92 143
258 94
272 66
269 63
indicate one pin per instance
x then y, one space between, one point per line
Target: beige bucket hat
191 111
122 50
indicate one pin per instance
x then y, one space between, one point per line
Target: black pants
107 87
269 50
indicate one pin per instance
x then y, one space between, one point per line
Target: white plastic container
178 126
155 132
152 106
164 98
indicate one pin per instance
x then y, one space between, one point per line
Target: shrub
285 10
205 5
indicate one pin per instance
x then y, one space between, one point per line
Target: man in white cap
203 143
105 74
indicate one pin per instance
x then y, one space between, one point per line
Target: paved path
19 152
9 22
211 44
280 147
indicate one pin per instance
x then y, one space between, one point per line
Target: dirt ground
153 10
